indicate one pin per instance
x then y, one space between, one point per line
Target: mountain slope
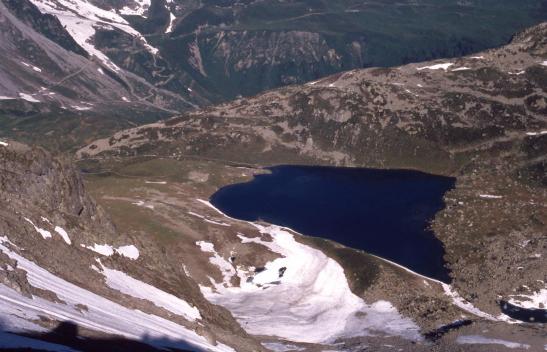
52 90
480 118
62 260
231 48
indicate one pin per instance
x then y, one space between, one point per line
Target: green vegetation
362 34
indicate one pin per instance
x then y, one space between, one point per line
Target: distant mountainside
114 63
53 90
481 118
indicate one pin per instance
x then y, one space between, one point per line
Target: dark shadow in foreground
436 334
66 337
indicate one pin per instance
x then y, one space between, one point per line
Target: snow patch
5 239
208 220
172 20
139 9
28 97
464 68
129 251
536 133
102 249
490 196
304 296
81 108
141 203
481 340
124 283
45 234
3 144
281 347
225 266
544 63
156 182
3 97
63 234
444 66
37 69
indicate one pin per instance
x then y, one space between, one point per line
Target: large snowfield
303 296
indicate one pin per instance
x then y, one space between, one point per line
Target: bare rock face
35 183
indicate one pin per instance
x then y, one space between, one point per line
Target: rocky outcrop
36 184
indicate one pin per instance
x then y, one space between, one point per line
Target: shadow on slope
66 337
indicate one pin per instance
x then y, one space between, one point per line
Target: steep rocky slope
63 262
480 118
52 91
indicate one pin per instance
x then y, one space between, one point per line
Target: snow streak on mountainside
81 19
63 86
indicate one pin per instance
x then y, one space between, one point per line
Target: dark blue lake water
383 212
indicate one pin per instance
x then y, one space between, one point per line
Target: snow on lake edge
303 296
531 301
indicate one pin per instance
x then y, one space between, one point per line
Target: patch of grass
131 219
